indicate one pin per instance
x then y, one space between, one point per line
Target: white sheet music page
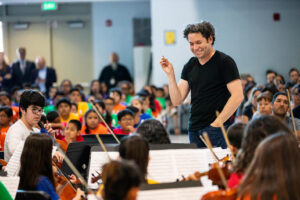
188 193
13 166
98 159
169 165
11 184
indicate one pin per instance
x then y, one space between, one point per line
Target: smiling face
200 46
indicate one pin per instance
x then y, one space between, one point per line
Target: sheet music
98 159
13 166
165 165
11 184
169 165
189 193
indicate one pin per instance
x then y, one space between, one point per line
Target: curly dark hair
154 132
205 28
257 130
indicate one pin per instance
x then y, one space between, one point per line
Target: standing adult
44 76
5 73
22 69
214 81
113 73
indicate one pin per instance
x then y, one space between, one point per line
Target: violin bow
100 116
225 137
214 154
206 138
292 114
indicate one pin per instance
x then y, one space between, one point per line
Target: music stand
106 138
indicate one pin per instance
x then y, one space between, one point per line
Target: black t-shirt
208 87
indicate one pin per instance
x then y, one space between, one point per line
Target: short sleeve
45 185
229 70
186 69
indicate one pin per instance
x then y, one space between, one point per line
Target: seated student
6 114
138 103
92 124
36 171
116 94
126 122
104 112
274 171
264 104
154 132
5 100
77 97
160 97
64 110
235 135
52 107
31 109
121 181
57 126
72 132
136 113
255 131
109 106
135 148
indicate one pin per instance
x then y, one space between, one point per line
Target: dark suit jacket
50 77
18 78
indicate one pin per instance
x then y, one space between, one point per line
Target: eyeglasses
127 119
37 111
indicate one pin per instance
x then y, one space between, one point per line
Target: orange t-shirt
118 108
3 132
15 116
101 129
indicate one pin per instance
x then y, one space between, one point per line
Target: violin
212 173
228 194
97 177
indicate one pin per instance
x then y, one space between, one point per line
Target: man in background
22 69
113 73
44 76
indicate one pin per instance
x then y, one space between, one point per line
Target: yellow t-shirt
71 116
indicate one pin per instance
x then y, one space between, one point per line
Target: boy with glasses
30 111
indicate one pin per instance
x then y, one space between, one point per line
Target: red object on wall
276 17
108 23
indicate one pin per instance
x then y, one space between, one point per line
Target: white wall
245 30
118 37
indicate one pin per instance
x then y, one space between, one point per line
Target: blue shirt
45 185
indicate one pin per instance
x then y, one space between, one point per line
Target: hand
49 129
7 76
166 66
131 129
73 179
59 156
79 194
216 123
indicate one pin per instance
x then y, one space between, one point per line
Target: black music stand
106 138
31 195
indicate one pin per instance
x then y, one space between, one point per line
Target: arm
236 98
177 92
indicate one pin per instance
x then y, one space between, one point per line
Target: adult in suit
43 76
22 69
114 72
